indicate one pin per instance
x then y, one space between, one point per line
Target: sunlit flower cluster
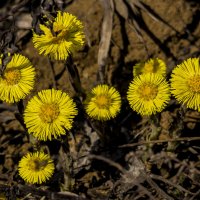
50 113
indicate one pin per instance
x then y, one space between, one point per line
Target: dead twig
107 160
161 192
180 188
145 191
195 195
182 139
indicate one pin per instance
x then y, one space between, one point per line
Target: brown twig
182 139
141 187
195 195
107 160
158 189
156 177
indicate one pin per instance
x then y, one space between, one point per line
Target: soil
152 171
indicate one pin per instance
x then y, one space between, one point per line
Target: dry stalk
106 32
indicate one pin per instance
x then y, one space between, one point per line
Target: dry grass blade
132 17
137 23
135 26
106 32
121 8
151 13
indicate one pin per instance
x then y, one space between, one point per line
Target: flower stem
74 76
53 73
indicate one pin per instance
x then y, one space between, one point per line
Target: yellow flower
65 36
185 83
153 65
103 103
17 80
49 114
148 94
36 167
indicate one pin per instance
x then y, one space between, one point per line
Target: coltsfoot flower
36 167
17 80
61 37
103 103
153 65
185 83
49 114
148 94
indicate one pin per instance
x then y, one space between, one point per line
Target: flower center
148 91
60 34
102 102
36 164
194 83
49 112
148 67
12 76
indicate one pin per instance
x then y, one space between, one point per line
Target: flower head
17 79
63 38
148 94
49 114
185 83
153 65
36 167
103 103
